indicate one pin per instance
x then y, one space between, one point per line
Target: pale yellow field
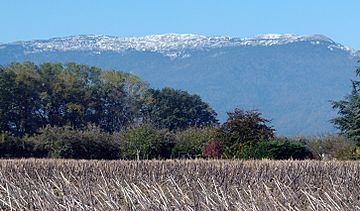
179 185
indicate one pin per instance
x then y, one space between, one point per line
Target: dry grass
179 185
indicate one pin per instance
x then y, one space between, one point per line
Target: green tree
177 109
348 121
20 108
119 100
7 101
68 93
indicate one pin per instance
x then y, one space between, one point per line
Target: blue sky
41 19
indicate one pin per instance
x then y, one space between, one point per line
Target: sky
42 19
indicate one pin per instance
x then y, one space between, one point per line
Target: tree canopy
33 96
54 94
177 109
348 121
244 127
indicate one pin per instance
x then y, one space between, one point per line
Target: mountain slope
289 78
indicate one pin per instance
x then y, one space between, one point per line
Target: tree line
78 111
76 95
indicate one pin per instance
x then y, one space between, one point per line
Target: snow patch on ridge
281 39
171 45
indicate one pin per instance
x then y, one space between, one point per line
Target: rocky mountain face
289 78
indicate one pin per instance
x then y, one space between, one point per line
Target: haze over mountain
289 78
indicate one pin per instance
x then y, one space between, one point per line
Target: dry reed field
179 185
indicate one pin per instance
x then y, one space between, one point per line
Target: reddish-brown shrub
212 150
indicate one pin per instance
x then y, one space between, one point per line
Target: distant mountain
289 78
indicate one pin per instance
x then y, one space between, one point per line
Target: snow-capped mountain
171 45
289 78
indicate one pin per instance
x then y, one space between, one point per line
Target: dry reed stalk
179 185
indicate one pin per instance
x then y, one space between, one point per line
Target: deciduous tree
177 109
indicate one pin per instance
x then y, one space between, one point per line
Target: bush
352 157
332 147
192 141
243 127
275 149
146 142
212 150
14 147
66 142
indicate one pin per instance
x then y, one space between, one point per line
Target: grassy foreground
180 185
